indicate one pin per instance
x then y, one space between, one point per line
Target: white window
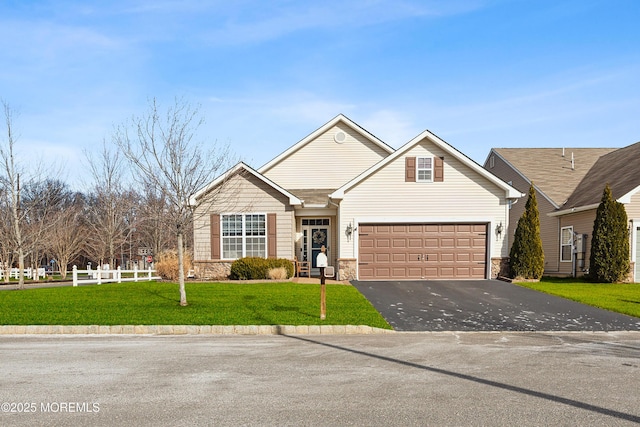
424 169
244 235
566 244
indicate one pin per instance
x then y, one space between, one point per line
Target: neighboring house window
492 161
424 169
566 244
244 235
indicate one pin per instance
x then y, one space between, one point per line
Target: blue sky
478 73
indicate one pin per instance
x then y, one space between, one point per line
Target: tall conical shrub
527 255
609 258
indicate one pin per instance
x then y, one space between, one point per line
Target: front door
319 237
315 233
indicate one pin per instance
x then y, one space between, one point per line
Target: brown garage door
422 251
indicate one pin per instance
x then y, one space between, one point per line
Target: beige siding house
569 183
424 211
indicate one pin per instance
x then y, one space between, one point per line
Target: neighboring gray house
569 183
422 211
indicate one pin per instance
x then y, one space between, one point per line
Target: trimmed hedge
253 268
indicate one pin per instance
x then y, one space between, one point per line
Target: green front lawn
620 297
157 303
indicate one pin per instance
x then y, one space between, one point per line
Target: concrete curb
191 330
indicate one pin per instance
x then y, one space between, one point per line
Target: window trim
243 234
430 168
563 244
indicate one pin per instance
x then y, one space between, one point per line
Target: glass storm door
316 235
318 239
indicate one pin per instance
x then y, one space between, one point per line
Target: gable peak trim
340 118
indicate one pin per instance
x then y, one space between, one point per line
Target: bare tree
107 207
6 240
167 157
10 174
67 238
152 230
44 201
11 184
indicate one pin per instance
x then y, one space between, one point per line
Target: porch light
349 230
499 229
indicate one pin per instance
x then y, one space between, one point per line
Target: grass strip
157 303
619 297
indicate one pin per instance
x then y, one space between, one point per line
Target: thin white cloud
272 20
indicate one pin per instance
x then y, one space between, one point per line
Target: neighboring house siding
548 225
582 223
463 196
548 234
324 163
247 194
633 208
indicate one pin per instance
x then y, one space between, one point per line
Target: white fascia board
626 198
393 219
511 193
293 200
324 128
574 210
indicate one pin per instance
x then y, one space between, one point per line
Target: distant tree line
140 196
106 225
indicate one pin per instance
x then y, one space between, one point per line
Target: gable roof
511 192
340 118
551 169
242 167
619 169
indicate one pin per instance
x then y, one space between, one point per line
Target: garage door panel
404 251
463 257
400 258
415 243
366 257
447 243
414 272
431 242
366 242
399 243
382 258
383 243
447 257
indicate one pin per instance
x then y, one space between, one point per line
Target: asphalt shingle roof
619 169
316 196
552 172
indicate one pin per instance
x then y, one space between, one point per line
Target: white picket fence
29 273
100 275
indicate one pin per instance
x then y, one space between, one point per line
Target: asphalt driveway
484 305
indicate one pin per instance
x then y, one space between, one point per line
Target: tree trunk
20 268
183 292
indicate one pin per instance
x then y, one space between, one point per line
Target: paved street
506 379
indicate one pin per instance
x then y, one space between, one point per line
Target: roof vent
340 137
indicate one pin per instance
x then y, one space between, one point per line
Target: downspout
337 267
